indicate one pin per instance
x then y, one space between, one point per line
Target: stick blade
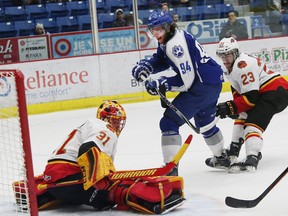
238 203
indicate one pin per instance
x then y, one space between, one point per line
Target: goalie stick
153 171
239 203
126 174
181 115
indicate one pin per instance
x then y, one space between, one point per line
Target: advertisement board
71 44
273 51
207 31
110 74
8 51
33 48
57 80
116 40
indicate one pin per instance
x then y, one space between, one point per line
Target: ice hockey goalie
79 171
153 195
87 181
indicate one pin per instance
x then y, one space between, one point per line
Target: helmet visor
221 53
156 32
224 56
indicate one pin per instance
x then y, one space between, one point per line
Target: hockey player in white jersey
78 171
258 94
198 79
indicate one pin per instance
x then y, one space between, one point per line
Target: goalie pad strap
95 165
149 194
144 209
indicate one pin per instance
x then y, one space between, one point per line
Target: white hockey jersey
94 130
249 73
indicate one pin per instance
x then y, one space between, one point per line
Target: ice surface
205 188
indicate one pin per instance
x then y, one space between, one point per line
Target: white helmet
227 46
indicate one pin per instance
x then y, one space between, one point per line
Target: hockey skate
234 150
250 164
220 162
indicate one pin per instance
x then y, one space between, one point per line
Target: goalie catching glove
153 195
160 84
142 70
227 109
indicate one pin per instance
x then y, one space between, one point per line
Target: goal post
17 185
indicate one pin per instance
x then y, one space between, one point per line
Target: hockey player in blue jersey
198 79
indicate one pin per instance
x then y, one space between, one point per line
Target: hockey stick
238 203
181 115
164 101
163 91
128 174
153 171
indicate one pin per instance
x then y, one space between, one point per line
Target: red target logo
63 47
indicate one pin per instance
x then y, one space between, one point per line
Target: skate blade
174 207
219 167
241 169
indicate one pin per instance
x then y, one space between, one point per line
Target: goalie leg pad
152 195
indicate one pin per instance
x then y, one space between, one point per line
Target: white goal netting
14 195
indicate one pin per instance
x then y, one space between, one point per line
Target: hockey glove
160 84
142 70
227 109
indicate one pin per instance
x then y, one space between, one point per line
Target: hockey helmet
227 46
159 18
113 113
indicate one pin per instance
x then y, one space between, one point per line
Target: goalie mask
114 114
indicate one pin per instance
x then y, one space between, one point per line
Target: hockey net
17 187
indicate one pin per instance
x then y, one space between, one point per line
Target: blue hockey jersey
189 61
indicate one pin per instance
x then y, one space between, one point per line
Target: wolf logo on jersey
178 51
